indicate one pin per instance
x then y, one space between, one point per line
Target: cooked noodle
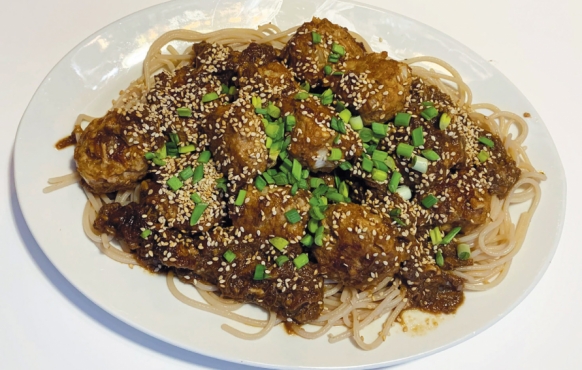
492 246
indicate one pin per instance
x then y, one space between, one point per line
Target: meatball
220 60
313 139
106 158
360 248
237 140
263 213
375 86
307 59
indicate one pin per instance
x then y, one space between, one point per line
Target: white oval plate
86 80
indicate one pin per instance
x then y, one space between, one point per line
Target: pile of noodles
493 245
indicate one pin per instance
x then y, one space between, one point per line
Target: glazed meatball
312 139
307 59
375 86
360 248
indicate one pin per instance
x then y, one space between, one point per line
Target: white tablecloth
45 323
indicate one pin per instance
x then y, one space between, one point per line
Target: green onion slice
229 256
335 155
463 251
485 140
174 183
444 121
209 97
429 201
301 260
315 37
281 260
394 181
259 272
144 234
404 150
279 243
417 137
430 154
439 259
184 112
204 157
293 216
186 149
420 164
429 113
197 213
186 173
449 237
240 198
307 240
402 119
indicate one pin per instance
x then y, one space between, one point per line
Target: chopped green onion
272 130
161 153
174 183
404 192
281 260
262 111
195 198
209 97
304 174
221 184
198 173
463 251
335 155
379 155
274 111
268 178
417 137
229 256
301 260
294 188
184 112
338 49
224 89
319 236
149 156
335 197
346 166
290 122
144 234
174 138
449 237
379 129
171 149
356 123
301 96
419 164
394 181
296 170
430 154
338 73
260 183
322 189
316 213
186 149
381 165
197 213
204 157
379 175
429 201
483 156
435 236
366 134
313 224
240 198
268 142
429 113
439 259
307 240
232 90
327 100
327 70
427 104
344 189
444 121
340 106
293 216
333 58
402 119
314 182
485 140
399 221
395 212
256 101
259 272
158 161
367 164
305 86
341 126
345 115
281 179
186 173
390 163
279 243
315 37
404 150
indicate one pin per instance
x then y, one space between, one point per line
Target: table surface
46 323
